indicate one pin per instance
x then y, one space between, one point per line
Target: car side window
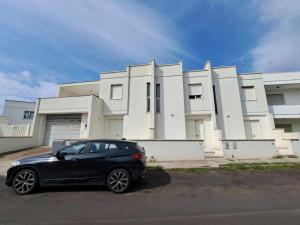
74 149
101 147
98 147
113 147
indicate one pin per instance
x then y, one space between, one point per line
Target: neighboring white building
166 103
17 112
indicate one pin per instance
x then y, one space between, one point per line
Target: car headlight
15 163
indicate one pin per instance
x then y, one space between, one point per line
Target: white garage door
60 127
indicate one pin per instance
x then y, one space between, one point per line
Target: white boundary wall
9 144
295 146
249 149
168 150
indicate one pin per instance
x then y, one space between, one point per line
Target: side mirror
59 155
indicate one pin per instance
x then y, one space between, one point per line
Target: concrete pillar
152 100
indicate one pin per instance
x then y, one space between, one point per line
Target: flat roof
9 100
79 83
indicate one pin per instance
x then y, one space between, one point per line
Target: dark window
158 98
195 91
101 147
194 96
148 97
287 127
98 147
113 147
275 99
215 99
28 115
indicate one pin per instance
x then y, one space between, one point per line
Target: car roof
109 140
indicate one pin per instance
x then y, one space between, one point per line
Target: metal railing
19 130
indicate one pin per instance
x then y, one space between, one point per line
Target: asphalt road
239 198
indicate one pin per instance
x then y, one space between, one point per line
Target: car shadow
155 178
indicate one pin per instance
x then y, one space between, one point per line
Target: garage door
60 127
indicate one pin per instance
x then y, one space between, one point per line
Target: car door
69 168
98 160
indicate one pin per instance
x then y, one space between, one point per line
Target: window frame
28 115
148 97
112 86
268 98
157 97
195 96
247 87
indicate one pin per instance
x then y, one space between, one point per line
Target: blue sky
43 43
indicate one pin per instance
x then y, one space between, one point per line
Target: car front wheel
118 181
24 181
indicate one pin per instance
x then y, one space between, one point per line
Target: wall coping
182 140
16 137
248 140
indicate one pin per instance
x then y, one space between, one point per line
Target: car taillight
137 156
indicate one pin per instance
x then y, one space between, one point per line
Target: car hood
38 158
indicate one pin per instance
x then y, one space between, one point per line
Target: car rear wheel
24 181
118 181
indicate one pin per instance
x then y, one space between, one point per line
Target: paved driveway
165 198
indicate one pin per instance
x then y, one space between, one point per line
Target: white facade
18 112
163 102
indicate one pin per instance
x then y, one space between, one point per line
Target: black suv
115 163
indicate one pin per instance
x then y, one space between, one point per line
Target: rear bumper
139 172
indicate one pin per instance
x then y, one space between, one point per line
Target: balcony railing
19 130
285 111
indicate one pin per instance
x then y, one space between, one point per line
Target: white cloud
278 49
17 87
112 29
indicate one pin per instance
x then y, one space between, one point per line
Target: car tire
118 181
25 181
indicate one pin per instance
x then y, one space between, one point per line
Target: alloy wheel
118 181
24 182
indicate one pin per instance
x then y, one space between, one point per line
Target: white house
17 112
253 115
16 119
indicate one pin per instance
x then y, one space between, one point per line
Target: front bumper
9 176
